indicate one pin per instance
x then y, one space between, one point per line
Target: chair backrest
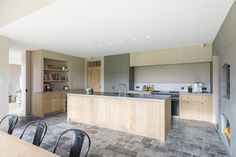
12 121
40 132
76 142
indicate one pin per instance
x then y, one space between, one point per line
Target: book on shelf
52 77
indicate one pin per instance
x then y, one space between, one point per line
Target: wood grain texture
189 54
48 103
11 146
94 78
196 107
142 117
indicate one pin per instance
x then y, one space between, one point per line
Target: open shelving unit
56 70
55 75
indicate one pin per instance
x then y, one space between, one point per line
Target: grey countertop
195 93
116 95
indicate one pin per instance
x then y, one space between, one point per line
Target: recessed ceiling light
110 43
134 39
148 37
121 41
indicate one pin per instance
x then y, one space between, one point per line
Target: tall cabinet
51 74
117 71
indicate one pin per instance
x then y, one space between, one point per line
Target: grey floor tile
186 139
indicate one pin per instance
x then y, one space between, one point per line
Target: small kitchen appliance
197 88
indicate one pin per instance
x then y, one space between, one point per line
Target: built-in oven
175 107
174 100
174 103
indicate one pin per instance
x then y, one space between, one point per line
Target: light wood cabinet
196 107
151 118
94 78
190 54
48 103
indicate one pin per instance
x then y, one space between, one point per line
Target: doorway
17 82
94 75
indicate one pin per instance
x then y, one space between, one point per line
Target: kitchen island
146 115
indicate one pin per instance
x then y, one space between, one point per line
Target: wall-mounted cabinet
190 54
117 71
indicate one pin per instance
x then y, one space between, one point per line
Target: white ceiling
90 28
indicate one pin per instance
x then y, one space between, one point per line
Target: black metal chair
12 121
40 132
77 142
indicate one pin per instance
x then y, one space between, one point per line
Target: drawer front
53 105
196 107
52 95
195 98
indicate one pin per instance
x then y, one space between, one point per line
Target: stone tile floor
186 139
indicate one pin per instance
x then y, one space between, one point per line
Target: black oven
174 100
175 107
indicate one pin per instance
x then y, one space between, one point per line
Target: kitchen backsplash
169 86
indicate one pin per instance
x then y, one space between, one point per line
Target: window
226 81
94 64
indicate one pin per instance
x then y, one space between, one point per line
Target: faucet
125 88
122 87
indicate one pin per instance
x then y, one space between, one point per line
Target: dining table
11 146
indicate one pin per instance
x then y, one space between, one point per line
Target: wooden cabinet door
94 78
190 110
127 115
102 106
74 110
189 54
46 107
144 118
196 107
205 111
87 110
57 104
114 118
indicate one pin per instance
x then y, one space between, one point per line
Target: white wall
15 56
178 73
14 78
224 46
215 84
4 77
